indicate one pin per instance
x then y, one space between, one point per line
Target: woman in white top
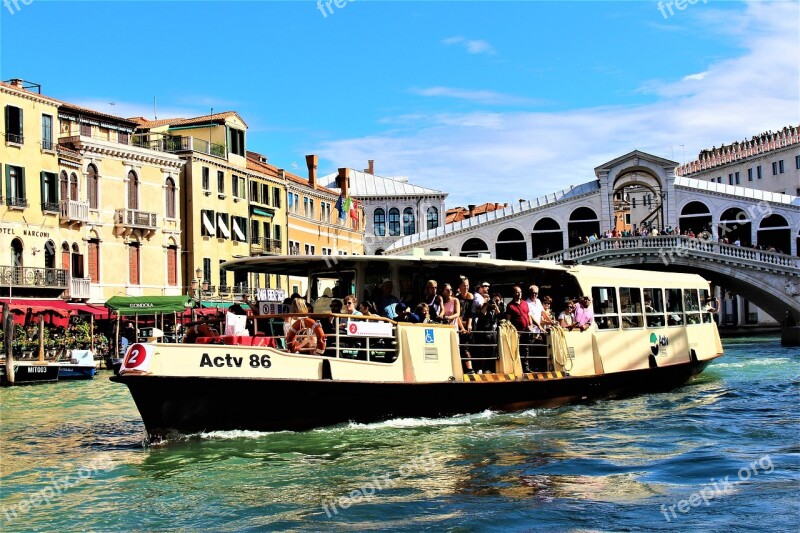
567 317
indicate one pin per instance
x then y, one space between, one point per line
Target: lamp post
198 286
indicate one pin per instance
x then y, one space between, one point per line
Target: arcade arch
511 245
583 222
472 247
774 231
695 216
546 237
734 224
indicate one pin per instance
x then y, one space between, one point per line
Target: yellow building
87 215
314 226
222 219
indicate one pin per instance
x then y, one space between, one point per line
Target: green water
73 458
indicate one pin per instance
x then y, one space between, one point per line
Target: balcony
73 210
48 145
133 219
262 246
17 203
32 277
15 138
174 143
50 207
79 288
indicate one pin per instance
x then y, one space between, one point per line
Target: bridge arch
774 231
734 224
511 245
583 222
474 246
637 199
695 216
546 237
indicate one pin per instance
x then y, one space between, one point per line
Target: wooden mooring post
8 330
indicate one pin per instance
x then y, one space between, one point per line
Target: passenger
434 301
711 304
350 307
423 311
480 299
497 298
584 314
367 308
404 314
306 338
536 308
451 306
386 302
518 313
567 317
548 320
465 299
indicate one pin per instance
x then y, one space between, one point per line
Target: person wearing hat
481 298
386 301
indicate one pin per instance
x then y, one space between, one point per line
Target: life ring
302 324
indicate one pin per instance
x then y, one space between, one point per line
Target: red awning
52 308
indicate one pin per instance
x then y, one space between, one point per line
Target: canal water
722 453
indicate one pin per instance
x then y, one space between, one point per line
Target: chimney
17 82
471 210
370 167
311 161
343 181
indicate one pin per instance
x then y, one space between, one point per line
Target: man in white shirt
480 298
536 308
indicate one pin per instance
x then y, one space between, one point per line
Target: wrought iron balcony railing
133 218
15 138
17 276
260 245
17 203
50 207
48 145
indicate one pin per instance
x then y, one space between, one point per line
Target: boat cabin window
630 301
325 286
674 307
605 307
708 316
691 305
654 308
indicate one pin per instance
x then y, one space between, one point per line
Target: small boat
80 366
649 334
29 372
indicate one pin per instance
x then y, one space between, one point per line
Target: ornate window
380 222
170 198
394 222
409 224
433 218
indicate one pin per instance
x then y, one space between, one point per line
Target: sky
487 101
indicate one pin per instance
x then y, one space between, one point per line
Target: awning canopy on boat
148 305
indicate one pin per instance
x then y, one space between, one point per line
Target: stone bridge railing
668 248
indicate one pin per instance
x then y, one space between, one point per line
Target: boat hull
30 373
76 372
181 405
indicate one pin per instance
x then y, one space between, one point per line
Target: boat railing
339 342
482 349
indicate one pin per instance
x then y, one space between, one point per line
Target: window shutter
42 186
94 257
22 178
21 133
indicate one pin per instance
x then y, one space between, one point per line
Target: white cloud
478 96
473 46
479 157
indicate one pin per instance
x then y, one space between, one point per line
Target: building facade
393 207
87 214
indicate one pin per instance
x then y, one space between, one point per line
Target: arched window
172 265
472 247
409 224
133 190
16 261
63 182
394 222
170 198
92 186
433 218
379 223
73 187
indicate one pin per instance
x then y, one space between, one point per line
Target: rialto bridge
642 190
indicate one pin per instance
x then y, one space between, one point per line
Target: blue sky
489 101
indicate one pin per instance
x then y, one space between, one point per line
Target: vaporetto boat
650 334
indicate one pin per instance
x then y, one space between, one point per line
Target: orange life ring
301 324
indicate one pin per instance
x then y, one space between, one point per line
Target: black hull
26 374
171 405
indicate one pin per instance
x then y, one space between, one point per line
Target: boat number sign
232 361
138 358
